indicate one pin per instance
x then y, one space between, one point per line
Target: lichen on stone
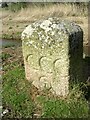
46 49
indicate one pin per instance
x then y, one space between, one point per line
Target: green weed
4 56
10 27
16 94
73 107
14 7
17 98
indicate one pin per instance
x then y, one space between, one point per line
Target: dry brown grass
19 20
58 10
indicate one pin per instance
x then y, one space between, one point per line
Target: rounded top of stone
51 25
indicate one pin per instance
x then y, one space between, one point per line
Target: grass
17 98
16 94
34 12
73 108
5 56
16 7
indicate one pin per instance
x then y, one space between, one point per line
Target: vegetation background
20 99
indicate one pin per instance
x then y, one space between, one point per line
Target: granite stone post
53 53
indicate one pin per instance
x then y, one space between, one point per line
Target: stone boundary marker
53 53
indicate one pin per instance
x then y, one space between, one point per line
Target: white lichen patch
54 26
27 32
49 29
46 25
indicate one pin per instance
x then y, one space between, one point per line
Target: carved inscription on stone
50 49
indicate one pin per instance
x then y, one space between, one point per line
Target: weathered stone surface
52 51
